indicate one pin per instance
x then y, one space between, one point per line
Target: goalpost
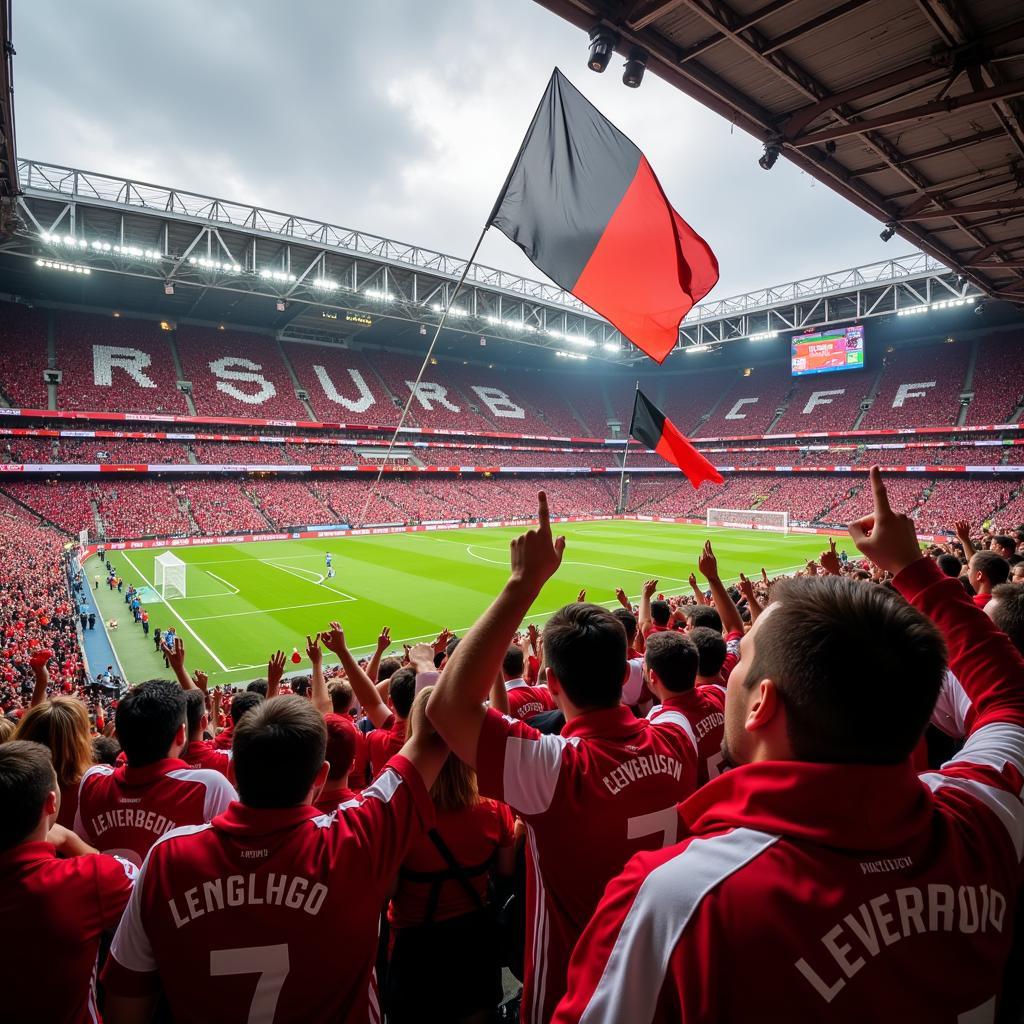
170 576
749 519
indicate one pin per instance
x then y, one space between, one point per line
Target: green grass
247 600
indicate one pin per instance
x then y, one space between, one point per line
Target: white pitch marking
592 565
180 618
320 581
267 611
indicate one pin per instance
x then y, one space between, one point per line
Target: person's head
29 795
105 750
150 722
986 570
341 746
703 615
949 564
1006 610
513 663
196 717
711 651
660 613
401 690
628 621
259 686
449 648
278 753
808 687
387 668
585 656
1017 573
1004 545
61 724
342 697
671 663
455 787
242 704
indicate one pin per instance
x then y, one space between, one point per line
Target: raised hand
334 638
176 656
888 538
707 564
962 529
830 560
534 634
275 671
536 555
313 652
746 588
581 597
201 679
421 656
384 640
649 587
443 639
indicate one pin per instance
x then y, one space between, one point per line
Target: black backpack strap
458 873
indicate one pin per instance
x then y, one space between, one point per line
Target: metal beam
995 206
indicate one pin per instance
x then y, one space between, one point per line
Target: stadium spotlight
281 305
769 156
888 231
168 288
635 67
602 45
423 329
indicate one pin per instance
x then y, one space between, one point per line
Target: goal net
170 576
749 519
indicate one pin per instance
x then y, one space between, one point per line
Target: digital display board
828 351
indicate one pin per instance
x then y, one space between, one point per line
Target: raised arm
963 534
499 695
747 590
42 676
362 685
321 698
707 565
275 673
698 594
383 643
643 618
176 659
456 705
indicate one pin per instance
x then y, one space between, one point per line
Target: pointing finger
881 496
543 515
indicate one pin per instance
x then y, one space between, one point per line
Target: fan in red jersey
271 911
523 700
590 797
57 896
863 891
125 810
200 752
341 748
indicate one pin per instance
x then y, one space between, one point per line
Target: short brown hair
674 657
278 748
837 651
26 777
341 696
1007 611
585 647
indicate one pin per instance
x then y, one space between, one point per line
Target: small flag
584 205
296 657
651 427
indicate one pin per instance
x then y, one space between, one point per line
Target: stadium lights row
571 355
70 242
207 264
764 336
71 268
928 307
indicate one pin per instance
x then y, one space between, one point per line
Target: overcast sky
397 117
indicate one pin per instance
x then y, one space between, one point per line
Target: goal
749 519
170 576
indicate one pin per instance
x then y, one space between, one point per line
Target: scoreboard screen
828 351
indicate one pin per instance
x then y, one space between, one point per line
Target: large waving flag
584 205
651 427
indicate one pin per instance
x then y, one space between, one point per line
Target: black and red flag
651 427
584 205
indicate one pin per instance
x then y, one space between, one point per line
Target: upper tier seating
749 406
118 364
920 387
23 355
997 384
238 375
815 404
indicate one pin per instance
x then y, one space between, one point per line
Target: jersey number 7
269 962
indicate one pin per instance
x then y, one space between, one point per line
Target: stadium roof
8 159
911 109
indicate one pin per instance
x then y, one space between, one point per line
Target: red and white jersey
125 810
270 914
53 912
732 653
701 711
524 700
604 789
203 754
869 893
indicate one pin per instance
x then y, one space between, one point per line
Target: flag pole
419 376
629 435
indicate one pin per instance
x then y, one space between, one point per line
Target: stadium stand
129 452
220 506
238 375
289 503
920 387
342 385
118 365
23 356
996 384
140 508
750 405
27 449
243 453
826 402
687 398
66 504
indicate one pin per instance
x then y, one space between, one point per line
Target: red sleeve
506 825
732 652
115 879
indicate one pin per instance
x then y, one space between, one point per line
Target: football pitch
244 601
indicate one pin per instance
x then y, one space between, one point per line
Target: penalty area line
177 615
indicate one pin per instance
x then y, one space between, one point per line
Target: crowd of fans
605 804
